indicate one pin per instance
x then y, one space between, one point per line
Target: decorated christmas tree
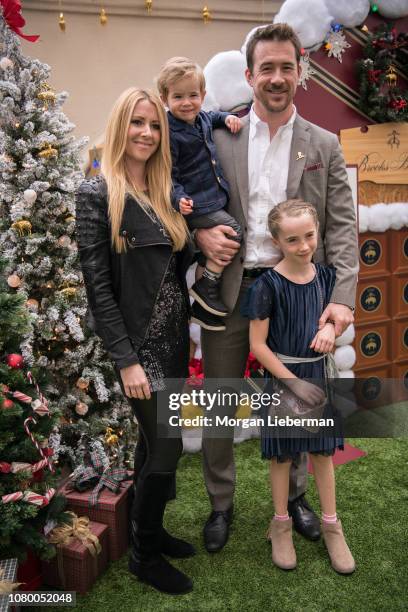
27 478
386 55
39 173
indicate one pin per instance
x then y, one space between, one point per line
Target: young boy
200 191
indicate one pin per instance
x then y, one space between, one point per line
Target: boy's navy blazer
196 171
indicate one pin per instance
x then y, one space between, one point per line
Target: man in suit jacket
277 155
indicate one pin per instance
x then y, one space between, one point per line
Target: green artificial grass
372 504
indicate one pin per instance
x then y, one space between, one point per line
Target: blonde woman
134 252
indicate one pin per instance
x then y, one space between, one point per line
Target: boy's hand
323 342
186 206
233 123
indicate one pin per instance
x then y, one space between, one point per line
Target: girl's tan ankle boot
340 556
283 551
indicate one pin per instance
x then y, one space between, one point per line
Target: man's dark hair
276 31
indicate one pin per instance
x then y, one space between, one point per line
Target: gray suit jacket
320 178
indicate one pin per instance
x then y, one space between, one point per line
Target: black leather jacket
122 288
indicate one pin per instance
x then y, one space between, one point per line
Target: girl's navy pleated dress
294 310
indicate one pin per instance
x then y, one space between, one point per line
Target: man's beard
276 106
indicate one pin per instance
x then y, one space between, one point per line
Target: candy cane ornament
22 397
17 466
39 408
34 441
30 497
30 467
44 401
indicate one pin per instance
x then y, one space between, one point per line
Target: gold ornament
149 5
46 95
103 18
391 76
364 29
47 151
61 22
22 226
82 383
69 291
69 219
17 125
14 281
81 408
206 15
32 304
111 438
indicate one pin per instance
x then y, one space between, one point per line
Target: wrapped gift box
79 568
8 571
111 509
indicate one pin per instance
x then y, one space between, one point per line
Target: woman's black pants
156 458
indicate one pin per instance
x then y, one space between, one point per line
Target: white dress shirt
268 166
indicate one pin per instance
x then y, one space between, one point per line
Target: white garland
382 217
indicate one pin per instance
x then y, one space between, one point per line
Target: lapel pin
299 155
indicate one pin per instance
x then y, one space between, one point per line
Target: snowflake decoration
306 70
336 44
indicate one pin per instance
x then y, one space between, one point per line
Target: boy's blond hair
176 68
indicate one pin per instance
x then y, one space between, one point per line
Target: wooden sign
380 152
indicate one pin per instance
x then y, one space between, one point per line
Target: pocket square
316 166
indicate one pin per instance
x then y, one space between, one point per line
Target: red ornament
196 373
38 476
373 75
252 366
7 403
14 361
14 19
398 105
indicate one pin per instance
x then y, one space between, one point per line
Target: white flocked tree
40 169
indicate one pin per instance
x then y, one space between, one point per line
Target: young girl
284 306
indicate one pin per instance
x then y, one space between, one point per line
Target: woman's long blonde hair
158 170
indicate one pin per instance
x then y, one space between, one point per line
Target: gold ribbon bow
6 586
78 529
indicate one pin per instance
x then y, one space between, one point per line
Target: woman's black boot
146 560
175 547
